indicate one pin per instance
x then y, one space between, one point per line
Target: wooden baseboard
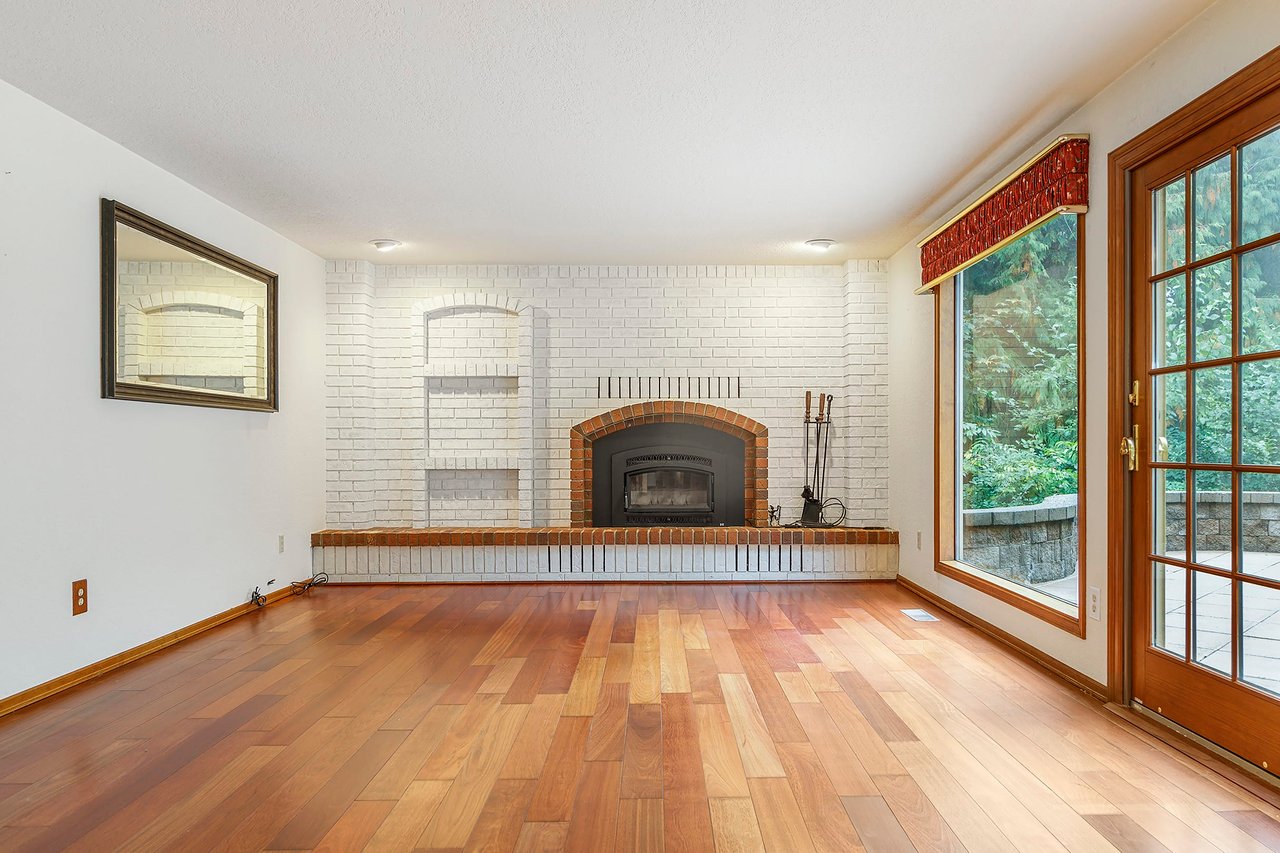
1072 676
93 670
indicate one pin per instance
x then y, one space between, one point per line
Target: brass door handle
1129 449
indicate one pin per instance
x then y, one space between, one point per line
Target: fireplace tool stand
815 488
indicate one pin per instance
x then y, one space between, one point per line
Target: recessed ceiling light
385 245
820 244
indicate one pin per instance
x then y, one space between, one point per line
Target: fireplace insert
668 474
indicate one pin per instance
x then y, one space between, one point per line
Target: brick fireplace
753 435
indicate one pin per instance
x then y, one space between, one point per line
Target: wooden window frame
1037 604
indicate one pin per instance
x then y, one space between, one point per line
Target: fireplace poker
807 494
826 450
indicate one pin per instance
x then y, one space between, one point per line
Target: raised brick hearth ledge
404 537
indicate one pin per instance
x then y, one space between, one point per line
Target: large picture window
1019 412
1009 422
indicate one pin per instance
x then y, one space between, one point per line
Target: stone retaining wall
1028 544
1260 521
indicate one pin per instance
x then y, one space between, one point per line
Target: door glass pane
1169 599
1212 327
1212 626
1169 396
1260 188
1260 299
1260 525
1211 524
1169 221
1170 305
1211 439
1212 208
1260 412
1260 631
1169 513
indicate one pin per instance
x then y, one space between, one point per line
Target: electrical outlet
280 543
1095 603
79 597
919 540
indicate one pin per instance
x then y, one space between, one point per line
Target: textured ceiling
618 131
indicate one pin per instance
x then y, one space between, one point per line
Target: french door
1205 441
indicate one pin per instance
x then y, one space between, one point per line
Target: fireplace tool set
814 502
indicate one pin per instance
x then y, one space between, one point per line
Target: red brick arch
753 434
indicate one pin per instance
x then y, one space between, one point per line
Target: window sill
1045 607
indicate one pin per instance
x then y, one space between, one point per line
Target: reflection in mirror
191 324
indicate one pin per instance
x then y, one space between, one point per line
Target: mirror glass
188 328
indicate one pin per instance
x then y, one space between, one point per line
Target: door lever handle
1129 449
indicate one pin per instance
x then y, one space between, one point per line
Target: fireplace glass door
668 490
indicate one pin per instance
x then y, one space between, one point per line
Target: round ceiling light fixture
820 244
385 245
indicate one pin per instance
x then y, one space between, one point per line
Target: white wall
172 513
1228 36
780 330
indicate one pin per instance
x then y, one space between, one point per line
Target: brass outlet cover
79 597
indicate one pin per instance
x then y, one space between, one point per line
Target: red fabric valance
1055 181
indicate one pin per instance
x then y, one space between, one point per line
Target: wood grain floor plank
542 837
782 825
500 822
609 725
674 669
455 819
639 826
1125 834
796 687
821 807
734 825
755 745
878 829
972 826
686 820
355 829
584 691
536 735
445 760
593 823
617 666
704 679
646 667
693 632
1264 828
838 757
642 753
721 761
317 817
409 818
558 782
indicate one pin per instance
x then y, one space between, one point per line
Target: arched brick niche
754 435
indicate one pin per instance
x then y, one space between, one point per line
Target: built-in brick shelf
453 537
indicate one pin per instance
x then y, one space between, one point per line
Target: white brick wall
552 346
192 324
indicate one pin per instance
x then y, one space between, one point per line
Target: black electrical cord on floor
301 587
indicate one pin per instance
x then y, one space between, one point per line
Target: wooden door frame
1255 81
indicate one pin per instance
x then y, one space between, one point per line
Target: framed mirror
183 321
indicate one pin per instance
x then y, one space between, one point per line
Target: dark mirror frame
113 213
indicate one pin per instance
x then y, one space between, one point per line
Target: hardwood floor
600 717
